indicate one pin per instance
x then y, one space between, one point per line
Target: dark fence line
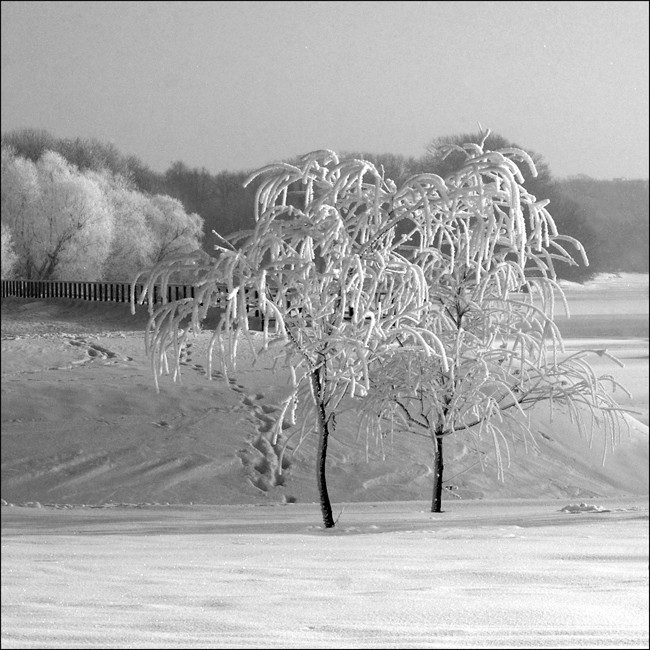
95 291
105 291
113 292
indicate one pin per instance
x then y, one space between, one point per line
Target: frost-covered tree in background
175 231
60 220
68 223
78 222
133 246
8 255
492 307
147 229
19 189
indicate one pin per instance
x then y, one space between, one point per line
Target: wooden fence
104 291
95 291
119 292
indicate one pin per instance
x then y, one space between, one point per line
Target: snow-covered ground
554 556
488 573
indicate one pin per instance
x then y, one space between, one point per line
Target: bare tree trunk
323 434
438 467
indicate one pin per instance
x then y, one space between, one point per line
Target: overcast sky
235 85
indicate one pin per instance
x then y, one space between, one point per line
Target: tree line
608 217
618 210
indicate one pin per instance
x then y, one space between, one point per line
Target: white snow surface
497 573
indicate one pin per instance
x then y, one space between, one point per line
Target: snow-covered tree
134 244
8 255
505 356
175 231
355 272
60 219
19 189
74 223
324 261
146 228
68 223
493 308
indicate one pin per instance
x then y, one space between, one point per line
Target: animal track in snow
249 400
185 357
94 351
